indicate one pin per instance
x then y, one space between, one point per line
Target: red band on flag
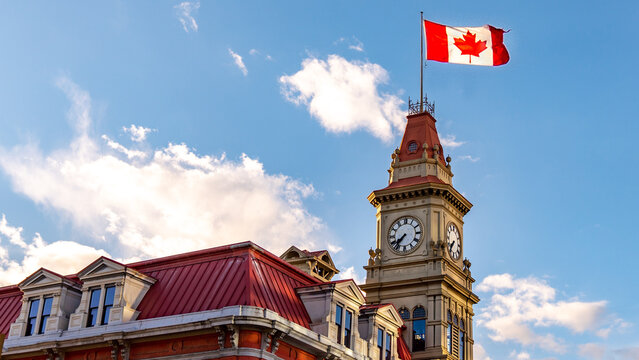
500 54
436 41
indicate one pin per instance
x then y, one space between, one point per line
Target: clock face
454 241
405 234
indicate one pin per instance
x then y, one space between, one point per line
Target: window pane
462 355
338 322
419 312
347 328
449 338
94 304
46 308
461 325
388 346
46 312
33 310
109 294
419 335
33 317
380 343
95 298
456 320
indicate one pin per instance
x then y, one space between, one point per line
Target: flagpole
421 67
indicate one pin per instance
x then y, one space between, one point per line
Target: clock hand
402 237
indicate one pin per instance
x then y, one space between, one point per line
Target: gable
350 289
101 266
40 278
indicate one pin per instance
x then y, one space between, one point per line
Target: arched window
462 340
419 329
449 334
404 313
456 320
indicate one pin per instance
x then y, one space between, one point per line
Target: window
94 306
419 329
46 313
109 294
347 328
449 334
404 314
338 322
462 338
412 147
380 343
388 346
33 317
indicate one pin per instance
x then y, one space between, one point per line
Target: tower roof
420 129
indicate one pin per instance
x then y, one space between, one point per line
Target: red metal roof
10 304
240 274
420 128
414 181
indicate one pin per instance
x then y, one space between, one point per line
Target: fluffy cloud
64 257
138 133
350 273
239 62
185 12
519 306
173 201
449 141
344 96
479 352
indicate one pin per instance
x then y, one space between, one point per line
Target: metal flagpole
421 67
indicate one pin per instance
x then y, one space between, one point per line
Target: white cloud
520 356
138 133
479 352
519 306
350 273
174 201
353 43
592 351
449 141
63 257
254 52
185 12
14 234
469 158
239 62
344 96
131 154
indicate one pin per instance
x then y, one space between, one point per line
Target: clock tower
418 262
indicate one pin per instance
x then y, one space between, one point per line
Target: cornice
445 191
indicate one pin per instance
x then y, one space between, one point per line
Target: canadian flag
465 45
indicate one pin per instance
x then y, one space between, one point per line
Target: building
242 302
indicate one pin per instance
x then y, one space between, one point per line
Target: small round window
412 147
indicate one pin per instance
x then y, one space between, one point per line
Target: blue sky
272 122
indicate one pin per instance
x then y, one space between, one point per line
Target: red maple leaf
469 46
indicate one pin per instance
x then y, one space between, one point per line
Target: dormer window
100 305
33 317
38 316
348 323
46 313
109 295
